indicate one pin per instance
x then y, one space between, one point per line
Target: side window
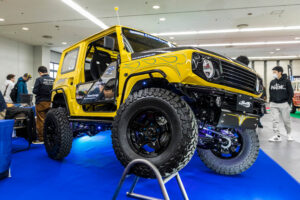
97 94
98 58
69 62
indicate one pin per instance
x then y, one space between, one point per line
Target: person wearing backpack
20 88
8 86
281 95
42 89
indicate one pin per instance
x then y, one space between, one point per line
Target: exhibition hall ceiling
29 20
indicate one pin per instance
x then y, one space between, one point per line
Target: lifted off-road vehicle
160 101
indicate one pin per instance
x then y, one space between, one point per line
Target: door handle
71 81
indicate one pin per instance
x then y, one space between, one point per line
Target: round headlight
208 68
257 85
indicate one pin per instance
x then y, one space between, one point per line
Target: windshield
138 41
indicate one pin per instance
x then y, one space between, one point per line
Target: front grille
237 77
297 98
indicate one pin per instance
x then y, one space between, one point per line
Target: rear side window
69 62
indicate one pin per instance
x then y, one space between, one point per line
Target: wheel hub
227 143
149 133
228 146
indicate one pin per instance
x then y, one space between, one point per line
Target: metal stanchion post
158 177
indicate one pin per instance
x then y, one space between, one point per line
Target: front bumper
233 102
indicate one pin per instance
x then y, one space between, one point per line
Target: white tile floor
267 122
286 154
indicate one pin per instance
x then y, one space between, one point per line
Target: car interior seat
99 63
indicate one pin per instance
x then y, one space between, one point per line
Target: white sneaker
275 138
290 138
37 142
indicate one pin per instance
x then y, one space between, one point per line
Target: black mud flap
233 120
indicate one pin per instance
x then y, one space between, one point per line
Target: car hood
154 52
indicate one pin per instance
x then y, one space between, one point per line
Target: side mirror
109 42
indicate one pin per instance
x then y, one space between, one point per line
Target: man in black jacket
281 95
42 89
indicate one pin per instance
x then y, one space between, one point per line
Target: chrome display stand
161 182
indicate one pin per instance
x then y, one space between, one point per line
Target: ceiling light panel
272 57
281 28
85 13
244 44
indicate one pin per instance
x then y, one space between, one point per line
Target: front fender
176 66
132 79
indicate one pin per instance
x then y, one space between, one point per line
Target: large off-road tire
170 150
293 109
238 164
58 135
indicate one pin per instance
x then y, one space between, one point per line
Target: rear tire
236 165
174 152
58 135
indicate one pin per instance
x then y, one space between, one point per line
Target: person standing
281 95
22 86
42 89
243 59
8 86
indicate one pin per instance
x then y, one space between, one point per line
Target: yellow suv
160 101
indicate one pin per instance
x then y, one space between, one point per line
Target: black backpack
14 92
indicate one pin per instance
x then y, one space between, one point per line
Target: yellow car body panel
176 65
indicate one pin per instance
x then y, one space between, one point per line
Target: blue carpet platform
92 171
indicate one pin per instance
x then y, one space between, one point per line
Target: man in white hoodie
9 85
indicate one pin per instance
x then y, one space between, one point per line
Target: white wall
296 67
55 56
41 58
259 68
15 58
